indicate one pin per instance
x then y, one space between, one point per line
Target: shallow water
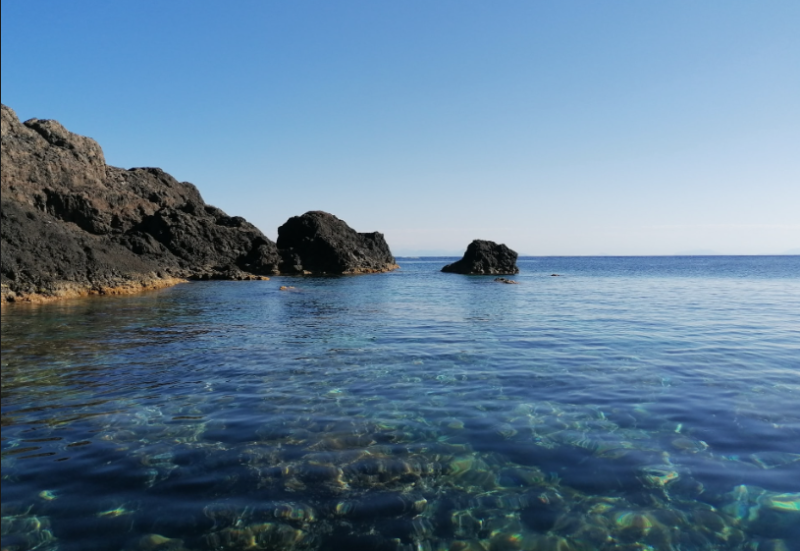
630 403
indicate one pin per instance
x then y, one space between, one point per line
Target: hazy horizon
445 254
560 129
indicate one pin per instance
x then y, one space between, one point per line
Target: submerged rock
320 243
485 257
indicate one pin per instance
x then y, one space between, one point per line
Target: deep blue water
629 403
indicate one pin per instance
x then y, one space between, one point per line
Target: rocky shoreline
67 292
74 226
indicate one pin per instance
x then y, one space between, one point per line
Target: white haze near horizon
569 128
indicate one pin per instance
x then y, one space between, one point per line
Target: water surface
627 403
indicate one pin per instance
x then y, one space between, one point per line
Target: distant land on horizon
699 252
413 253
705 252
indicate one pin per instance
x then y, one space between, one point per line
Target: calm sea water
630 403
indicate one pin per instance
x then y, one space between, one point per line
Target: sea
600 403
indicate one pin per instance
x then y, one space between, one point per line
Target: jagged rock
202 236
507 281
321 243
485 257
73 225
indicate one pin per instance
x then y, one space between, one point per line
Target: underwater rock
771 460
542 511
156 542
264 535
26 531
295 513
485 257
384 504
767 514
320 243
658 476
687 444
504 280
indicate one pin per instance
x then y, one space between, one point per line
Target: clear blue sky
556 127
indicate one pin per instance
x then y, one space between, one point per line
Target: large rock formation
320 243
485 257
73 225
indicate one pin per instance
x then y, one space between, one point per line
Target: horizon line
603 255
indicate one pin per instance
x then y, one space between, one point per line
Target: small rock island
485 258
320 243
73 225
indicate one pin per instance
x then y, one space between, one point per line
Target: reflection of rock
320 243
485 257
72 225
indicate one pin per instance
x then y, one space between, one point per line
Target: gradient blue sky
556 127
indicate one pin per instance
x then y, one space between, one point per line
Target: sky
569 127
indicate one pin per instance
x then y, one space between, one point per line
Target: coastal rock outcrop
320 243
485 257
72 225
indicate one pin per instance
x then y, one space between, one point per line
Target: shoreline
132 288
73 291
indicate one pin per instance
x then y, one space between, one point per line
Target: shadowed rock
320 243
483 258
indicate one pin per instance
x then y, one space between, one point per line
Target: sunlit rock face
320 243
485 257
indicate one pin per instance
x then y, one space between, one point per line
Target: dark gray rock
204 239
320 243
44 257
72 224
485 257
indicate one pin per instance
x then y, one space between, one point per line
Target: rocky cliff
72 225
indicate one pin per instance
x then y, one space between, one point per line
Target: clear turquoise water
631 403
